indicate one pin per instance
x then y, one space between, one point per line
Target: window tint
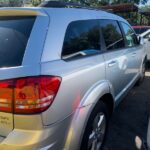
130 36
14 34
82 38
112 34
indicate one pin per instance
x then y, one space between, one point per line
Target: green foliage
95 3
11 3
107 2
129 1
145 8
36 2
15 3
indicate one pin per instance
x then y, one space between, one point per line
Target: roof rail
62 4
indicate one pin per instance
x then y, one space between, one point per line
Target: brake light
28 95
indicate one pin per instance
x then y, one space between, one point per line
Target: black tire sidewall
100 107
141 79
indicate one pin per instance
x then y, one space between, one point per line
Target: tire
142 76
93 134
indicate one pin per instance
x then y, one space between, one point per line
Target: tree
15 3
129 1
36 2
89 2
11 3
145 8
107 2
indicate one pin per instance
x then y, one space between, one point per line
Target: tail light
28 95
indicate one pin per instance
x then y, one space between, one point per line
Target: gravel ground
129 122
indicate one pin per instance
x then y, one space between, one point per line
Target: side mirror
141 40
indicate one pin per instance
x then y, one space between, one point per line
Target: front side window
130 37
112 34
82 38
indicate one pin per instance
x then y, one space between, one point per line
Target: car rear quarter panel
78 77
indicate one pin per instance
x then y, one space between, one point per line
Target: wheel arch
101 92
108 100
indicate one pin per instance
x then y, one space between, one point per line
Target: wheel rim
96 137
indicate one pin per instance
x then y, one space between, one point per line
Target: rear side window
82 39
112 34
130 37
14 35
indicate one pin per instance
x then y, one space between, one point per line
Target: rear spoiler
21 12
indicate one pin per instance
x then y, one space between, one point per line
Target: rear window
14 35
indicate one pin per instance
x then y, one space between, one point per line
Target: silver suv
62 72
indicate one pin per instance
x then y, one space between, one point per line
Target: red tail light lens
28 95
6 94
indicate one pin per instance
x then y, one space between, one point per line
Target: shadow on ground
130 119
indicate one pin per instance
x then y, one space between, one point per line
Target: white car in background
146 37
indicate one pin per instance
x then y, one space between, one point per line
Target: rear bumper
49 138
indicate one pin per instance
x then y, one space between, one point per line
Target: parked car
62 72
140 29
146 36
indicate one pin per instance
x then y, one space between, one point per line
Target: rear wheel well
108 100
145 59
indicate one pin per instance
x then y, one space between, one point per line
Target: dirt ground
128 124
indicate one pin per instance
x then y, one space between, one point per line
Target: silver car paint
84 82
147 42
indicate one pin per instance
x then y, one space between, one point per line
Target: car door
133 52
116 60
146 37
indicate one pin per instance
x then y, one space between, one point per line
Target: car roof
81 13
67 13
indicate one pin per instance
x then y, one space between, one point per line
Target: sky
148 2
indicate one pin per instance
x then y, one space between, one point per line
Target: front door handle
112 63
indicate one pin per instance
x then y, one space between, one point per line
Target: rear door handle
112 63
